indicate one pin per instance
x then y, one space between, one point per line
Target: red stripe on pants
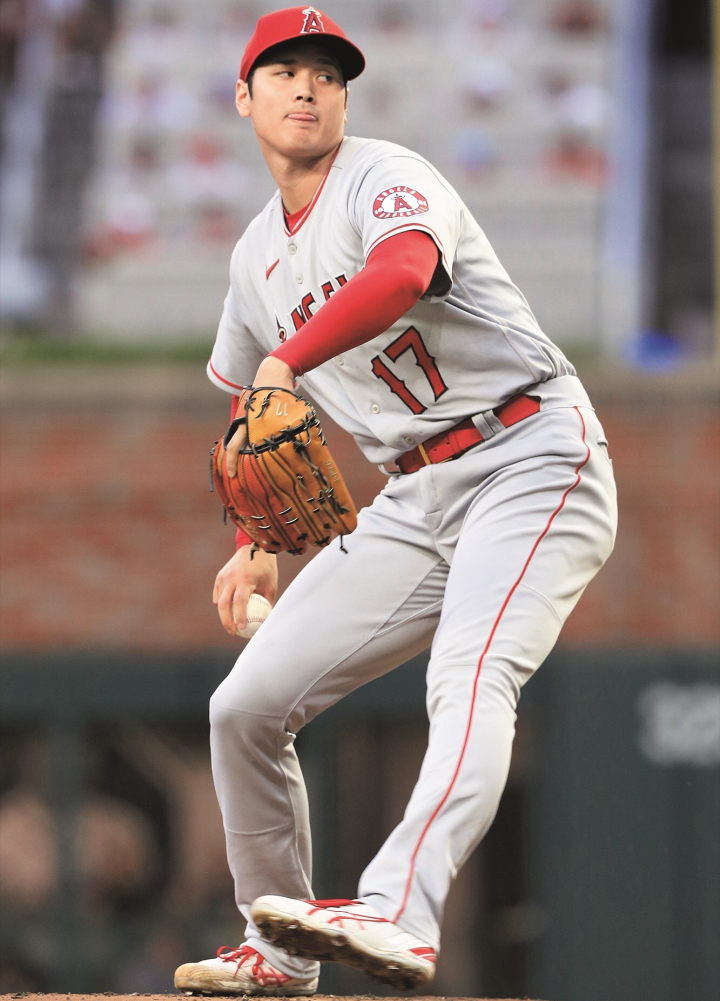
496 623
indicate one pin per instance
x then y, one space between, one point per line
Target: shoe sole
193 985
269 992
299 938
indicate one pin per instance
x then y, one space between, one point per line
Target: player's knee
233 726
498 685
248 691
500 681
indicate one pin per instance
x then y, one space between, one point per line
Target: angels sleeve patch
399 203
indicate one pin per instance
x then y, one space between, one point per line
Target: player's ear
242 99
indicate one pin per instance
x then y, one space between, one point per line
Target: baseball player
367 282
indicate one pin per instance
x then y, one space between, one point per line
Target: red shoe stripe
496 623
343 914
340 902
425 952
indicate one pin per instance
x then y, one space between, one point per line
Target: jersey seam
544 598
247 712
265 830
384 631
296 826
418 227
503 330
415 159
414 225
217 375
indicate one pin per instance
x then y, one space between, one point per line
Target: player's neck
298 178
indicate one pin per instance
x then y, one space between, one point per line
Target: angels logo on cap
399 202
298 22
313 21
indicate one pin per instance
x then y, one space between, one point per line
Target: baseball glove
288 492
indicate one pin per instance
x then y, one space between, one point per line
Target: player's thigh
347 618
531 542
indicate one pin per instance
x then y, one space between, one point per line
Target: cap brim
349 56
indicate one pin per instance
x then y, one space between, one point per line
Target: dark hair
271 54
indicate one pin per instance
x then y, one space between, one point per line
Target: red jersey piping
420 227
311 206
218 376
293 218
496 623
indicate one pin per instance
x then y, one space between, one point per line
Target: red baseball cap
301 22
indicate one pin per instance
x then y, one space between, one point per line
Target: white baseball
258 609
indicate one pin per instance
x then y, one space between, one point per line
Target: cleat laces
266 977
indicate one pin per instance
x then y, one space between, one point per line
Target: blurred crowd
177 165
120 135
148 845
51 87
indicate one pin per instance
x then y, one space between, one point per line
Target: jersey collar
299 218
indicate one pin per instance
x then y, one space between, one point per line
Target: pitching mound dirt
164 997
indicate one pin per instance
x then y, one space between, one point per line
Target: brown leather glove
288 492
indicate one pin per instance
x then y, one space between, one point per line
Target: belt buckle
438 462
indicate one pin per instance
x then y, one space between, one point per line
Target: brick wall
122 548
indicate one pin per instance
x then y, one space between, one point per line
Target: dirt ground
164 997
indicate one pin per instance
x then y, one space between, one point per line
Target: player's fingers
224 579
267 591
233 449
239 606
225 609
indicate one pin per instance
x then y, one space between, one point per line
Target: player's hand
237 580
272 372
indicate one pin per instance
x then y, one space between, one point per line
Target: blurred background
579 132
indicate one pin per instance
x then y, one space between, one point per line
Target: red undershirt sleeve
398 272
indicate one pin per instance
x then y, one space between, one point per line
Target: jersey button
408 440
340 360
292 248
375 408
299 279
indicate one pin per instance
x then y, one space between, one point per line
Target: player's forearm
397 274
241 538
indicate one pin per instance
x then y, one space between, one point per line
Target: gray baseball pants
483 558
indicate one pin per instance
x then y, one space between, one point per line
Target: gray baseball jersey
467 346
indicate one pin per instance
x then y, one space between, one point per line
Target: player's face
298 103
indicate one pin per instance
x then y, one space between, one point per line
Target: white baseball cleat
240 971
349 932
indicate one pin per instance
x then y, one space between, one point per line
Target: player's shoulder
371 161
255 230
361 154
